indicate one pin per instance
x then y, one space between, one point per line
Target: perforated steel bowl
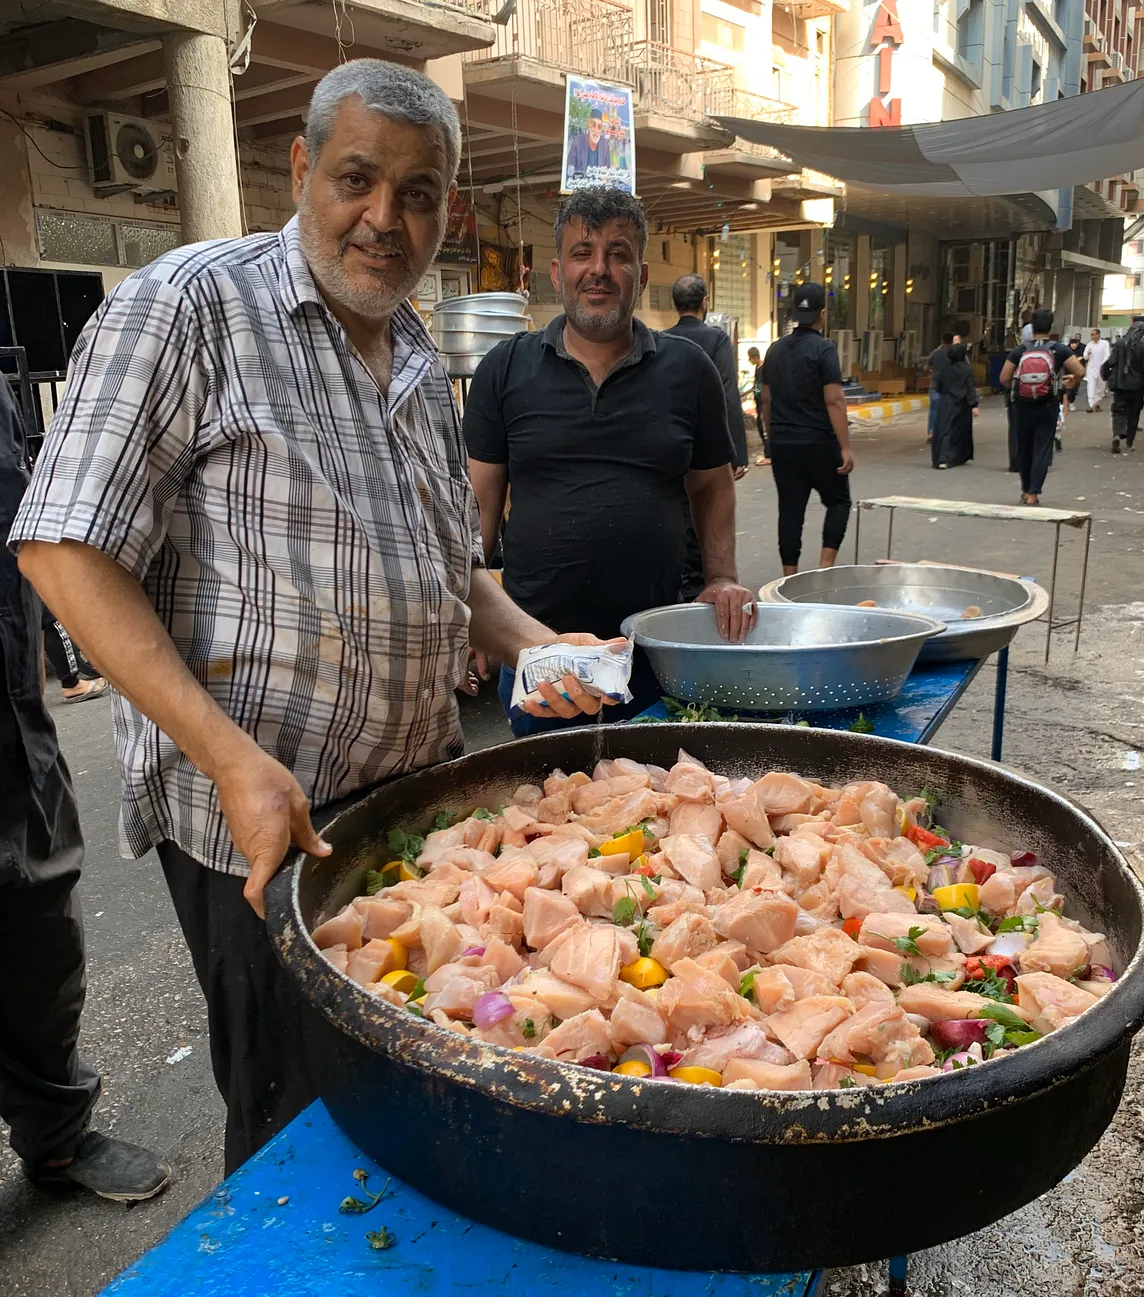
798 657
1005 603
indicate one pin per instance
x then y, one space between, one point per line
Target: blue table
243 1241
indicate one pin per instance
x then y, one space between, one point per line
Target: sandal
96 689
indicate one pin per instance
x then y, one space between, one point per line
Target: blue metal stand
999 702
899 1266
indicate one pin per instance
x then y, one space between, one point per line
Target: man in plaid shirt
252 510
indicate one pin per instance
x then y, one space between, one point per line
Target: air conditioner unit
126 154
843 340
908 348
870 359
1117 61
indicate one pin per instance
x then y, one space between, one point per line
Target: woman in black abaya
953 435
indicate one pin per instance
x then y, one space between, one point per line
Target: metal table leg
1083 579
999 702
899 1266
890 534
857 527
1052 594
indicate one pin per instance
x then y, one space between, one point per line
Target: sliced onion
1101 973
1023 859
645 1054
670 1058
960 1033
940 875
922 1024
956 1061
491 1009
473 950
1010 944
601 1061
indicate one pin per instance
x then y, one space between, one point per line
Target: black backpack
1129 375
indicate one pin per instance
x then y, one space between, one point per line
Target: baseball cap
809 300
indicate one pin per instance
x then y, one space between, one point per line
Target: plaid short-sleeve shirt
306 541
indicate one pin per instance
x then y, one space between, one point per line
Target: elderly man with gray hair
252 510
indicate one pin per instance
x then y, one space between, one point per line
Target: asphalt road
1071 725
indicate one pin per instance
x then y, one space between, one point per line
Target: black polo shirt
597 524
796 369
938 361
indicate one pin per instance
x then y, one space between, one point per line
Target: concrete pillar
896 315
861 285
198 85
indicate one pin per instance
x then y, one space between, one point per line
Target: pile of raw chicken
764 934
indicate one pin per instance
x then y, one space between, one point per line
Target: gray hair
387 88
594 206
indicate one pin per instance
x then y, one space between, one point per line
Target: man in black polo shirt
938 360
605 432
805 413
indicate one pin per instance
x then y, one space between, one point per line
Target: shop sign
886 39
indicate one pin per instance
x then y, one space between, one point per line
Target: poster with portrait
599 141
459 245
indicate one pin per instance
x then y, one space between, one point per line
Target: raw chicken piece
589 956
577 1037
803 1026
635 1020
505 921
761 871
470 859
880 1032
820 902
878 811
477 899
429 890
864 889
829 952
916 1073
1050 1001
338 955
549 995
658 776
590 890
718 960
772 990
968 934
514 873
693 859
729 848
999 893
768 1076
828 1076
1096 989
865 988
805 982
460 993
344 929
694 997
802 859
555 808
741 1084
519 820
601 791
953 963
371 962
631 888
697 819
689 900
746 814
501 957
626 766
527 797
1038 896
546 915
898 858
621 813
746 1040
382 915
1057 949
737 952
690 935
439 938
629 945
690 783
762 921
885 965
939 1005
883 930
785 794
384 991
559 851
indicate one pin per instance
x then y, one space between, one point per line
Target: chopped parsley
861 725
747 985
644 939
482 813
965 911
908 945
929 796
743 854
846 1082
624 911
911 976
1018 923
645 883
528 1031
404 845
443 820
594 853
375 880
693 712
992 985
380 1239
418 989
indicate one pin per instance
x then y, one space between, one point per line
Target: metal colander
798 657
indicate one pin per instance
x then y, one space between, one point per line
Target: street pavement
1071 724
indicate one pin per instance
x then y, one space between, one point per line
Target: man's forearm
106 611
499 627
713 516
836 408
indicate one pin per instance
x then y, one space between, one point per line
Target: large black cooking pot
660 1173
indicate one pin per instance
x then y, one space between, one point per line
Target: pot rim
770 1116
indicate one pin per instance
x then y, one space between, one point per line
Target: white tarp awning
1029 150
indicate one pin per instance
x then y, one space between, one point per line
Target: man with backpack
1124 370
1032 372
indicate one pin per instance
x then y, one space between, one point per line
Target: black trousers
798 470
253 1010
64 654
1012 430
1126 407
1034 427
46 1092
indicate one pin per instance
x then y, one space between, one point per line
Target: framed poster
599 142
428 290
459 246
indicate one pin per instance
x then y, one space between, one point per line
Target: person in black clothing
804 411
1069 394
1034 416
79 680
1124 373
606 433
938 360
757 393
952 443
689 294
47 1093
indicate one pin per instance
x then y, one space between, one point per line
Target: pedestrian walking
938 360
804 410
1124 370
611 438
1033 373
47 1092
1069 394
757 392
79 680
253 510
1095 354
952 443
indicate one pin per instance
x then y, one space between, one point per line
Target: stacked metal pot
466 329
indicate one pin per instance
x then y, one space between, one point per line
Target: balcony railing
590 37
675 81
723 101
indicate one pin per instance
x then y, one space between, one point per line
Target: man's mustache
373 242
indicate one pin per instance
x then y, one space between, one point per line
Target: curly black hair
596 205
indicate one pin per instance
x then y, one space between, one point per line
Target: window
969 29
659 22
1035 83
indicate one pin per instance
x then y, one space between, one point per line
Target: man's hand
265 810
847 465
740 472
976 411
735 607
570 698
476 670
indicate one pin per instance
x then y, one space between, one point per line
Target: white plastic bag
603 671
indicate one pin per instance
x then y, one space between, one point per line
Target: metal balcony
816 8
589 37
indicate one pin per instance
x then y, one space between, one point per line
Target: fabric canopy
1059 144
